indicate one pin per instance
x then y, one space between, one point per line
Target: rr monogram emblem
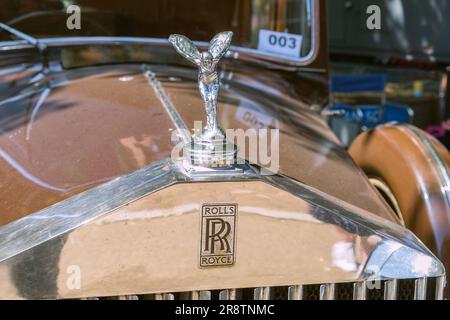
218 235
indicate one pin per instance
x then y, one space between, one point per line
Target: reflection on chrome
35 111
343 254
26 174
355 246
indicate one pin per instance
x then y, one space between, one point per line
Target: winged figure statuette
208 79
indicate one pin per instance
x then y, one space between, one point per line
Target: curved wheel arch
414 166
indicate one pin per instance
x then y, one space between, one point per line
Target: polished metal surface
138 233
128 297
360 290
238 53
390 289
21 35
438 163
327 291
164 296
262 293
229 294
201 295
295 293
209 147
208 78
64 216
164 201
330 291
88 94
69 214
440 286
420 289
165 101
297 211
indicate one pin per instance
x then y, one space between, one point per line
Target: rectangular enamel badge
218 234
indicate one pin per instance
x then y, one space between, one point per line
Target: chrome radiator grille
411 289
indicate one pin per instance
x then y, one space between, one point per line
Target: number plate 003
280 42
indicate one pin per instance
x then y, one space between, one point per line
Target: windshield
280 28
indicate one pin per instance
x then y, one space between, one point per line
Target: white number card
280 42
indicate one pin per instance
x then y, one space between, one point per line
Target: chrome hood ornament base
209 147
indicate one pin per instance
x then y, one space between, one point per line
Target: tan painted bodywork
109 122
156 243
396 155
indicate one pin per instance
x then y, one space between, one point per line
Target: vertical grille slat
200 295
295 293
360 291
164 296
128 297
420 289
390 290
440 286
195 295
229 294
327 291
262 293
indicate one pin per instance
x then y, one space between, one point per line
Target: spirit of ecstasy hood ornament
209 147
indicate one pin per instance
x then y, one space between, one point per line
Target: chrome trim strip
390 289
41 226
295 293
327 291
46 224
240 52
21 35
262 293
357 215
82 41
420 289
440 286
360 290
168 105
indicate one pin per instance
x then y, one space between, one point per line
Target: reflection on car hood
80 128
